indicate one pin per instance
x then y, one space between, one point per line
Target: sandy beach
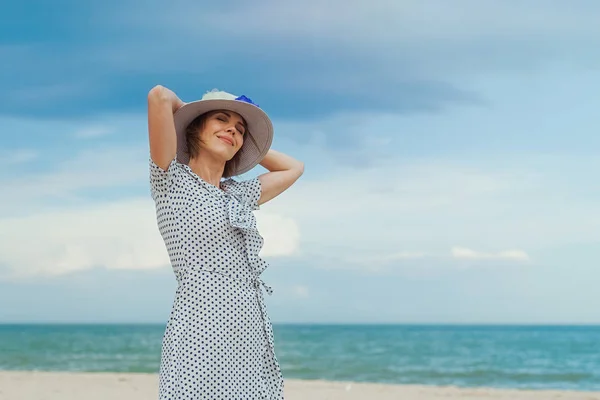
113 386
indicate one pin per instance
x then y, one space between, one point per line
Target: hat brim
258 122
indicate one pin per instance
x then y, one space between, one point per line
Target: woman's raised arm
284 171
162 104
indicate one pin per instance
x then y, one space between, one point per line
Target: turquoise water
535 357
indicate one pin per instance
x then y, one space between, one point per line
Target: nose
230 129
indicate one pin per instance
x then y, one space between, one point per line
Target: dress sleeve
253 190
249 190
160 180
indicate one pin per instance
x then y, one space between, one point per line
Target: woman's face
223 133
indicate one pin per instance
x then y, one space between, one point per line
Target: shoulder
163 180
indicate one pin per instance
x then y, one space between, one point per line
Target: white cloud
405 255
300 291
93 209
411 37
280 233
8 158
394 211
465 253
92 132
415 20
411 212
400 41
52 92
367 259
68 180
118 235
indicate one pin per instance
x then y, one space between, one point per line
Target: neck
208 168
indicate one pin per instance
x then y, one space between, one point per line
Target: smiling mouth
226 140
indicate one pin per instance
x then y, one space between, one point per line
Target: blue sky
451 155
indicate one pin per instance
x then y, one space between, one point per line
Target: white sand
85 386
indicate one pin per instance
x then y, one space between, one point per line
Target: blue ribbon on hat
247 100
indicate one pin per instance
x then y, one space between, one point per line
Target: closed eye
241 129
224 117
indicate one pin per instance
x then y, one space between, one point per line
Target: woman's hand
284 171
162 93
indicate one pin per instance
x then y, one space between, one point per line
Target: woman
218 343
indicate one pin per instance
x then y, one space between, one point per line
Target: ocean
524 357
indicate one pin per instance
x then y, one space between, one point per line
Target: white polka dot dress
218 343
